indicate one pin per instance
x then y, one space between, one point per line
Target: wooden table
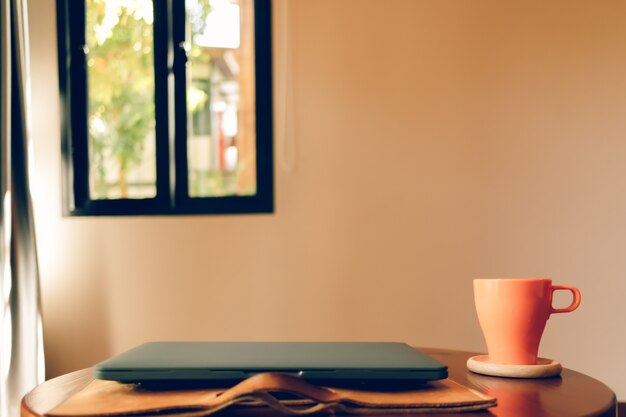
572 394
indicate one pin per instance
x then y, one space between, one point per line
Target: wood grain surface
572 394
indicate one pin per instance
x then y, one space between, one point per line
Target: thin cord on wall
287 138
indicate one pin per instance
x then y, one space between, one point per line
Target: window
166 106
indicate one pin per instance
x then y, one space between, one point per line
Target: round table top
572 394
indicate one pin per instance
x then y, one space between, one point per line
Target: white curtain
21 340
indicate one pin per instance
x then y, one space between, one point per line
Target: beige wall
437 141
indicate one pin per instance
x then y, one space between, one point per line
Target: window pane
221 138
120 74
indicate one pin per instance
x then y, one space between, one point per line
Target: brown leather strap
280 383
256 391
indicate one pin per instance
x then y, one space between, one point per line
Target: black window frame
170 117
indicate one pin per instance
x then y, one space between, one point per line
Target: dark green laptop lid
235 361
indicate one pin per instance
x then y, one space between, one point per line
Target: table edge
85 376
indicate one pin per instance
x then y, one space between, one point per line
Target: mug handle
575 299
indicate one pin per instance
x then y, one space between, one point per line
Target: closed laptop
226 363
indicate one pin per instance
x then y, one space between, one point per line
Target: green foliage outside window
121 86
120 65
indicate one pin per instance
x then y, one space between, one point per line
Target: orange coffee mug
513 313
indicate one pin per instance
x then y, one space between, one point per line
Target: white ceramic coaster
543 369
